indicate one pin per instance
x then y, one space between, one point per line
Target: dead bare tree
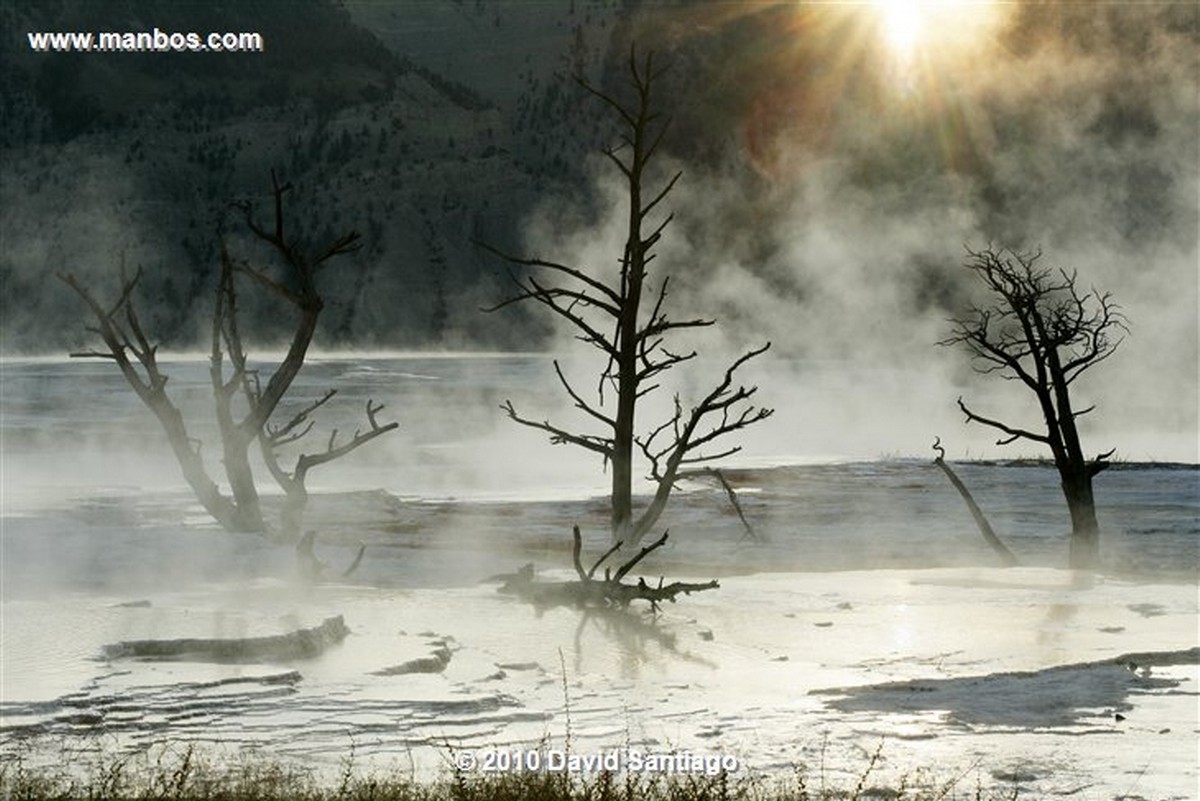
240 424
1044 332
226 337
609 314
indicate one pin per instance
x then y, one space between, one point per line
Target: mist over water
93 498
859 571
827 194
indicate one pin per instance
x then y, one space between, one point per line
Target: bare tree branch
558 435
286 434
580 403
1014 433
309 461
1007 558
572 272
642 554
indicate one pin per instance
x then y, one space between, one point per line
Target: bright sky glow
908 26
902 25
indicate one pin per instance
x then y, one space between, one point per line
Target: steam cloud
828 212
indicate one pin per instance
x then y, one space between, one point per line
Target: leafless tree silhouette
624 317
1044 332
242 404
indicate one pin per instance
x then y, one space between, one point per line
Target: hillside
134 159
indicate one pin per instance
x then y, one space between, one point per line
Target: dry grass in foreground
187 774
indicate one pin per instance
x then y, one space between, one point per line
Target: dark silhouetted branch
560 436
1014 433
1101 463
1007 558
609 592
730 493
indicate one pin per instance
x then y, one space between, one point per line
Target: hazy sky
837 158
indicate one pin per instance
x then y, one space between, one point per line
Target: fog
844 248
830 188
470 492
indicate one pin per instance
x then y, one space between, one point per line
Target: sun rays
902 22
844 80
942 31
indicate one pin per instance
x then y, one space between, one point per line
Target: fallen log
436 662
609 592
299 644
731 494
1007 558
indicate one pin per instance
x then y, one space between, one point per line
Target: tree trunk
247 513
241 483
206 490
627 380
1085 531
292 515
622 474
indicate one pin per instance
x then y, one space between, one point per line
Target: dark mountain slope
134 158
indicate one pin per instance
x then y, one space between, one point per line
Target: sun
902 22
913 28
831 75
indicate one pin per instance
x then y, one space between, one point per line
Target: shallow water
769 669
860 574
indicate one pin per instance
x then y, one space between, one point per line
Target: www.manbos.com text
152 41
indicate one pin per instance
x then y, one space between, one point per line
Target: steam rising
825 207
826 198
